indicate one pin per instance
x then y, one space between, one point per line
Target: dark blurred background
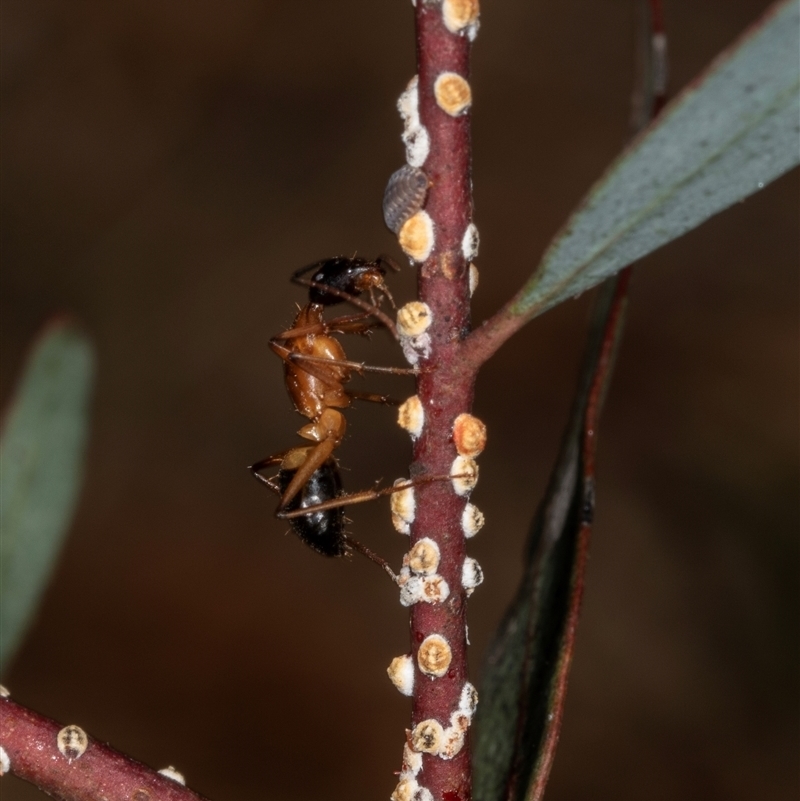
165 167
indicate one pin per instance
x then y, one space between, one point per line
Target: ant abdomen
323 529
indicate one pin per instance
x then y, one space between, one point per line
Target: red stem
30 743
487 339
445 391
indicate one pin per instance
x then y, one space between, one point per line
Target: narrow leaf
524 684
730 133
41 465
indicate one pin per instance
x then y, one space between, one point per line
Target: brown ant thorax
314 389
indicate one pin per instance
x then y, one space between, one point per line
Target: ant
316 370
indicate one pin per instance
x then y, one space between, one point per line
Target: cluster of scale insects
316 370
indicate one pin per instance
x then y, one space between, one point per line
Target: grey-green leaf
41 467
726 136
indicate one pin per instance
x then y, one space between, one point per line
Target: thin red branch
445 391
491 335
30 742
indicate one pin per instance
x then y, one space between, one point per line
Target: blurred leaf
41 466
728 134
524 683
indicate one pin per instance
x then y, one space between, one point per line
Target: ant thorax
313 387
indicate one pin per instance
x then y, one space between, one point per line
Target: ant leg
358 367
390 262
315 457
317 372
307 364
373 398
351 324
385 258
272 484
372 308
363 496
362 549
257 467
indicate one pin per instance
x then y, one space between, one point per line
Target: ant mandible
316 370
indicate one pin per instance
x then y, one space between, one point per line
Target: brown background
166 165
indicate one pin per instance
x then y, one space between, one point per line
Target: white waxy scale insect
401 673
403 503
469 435
426 737
415 589
461 16
474 279
72 742
464 472
171 773
415 136
470 243
472 520
411 416
416 236
434 656
453 93
413 321
471 575
414 318
424 557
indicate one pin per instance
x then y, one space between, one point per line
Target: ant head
347 275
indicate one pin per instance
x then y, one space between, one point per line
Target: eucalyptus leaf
525 677
730 133
41 467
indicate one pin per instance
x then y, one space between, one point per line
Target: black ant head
350 275
337 279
